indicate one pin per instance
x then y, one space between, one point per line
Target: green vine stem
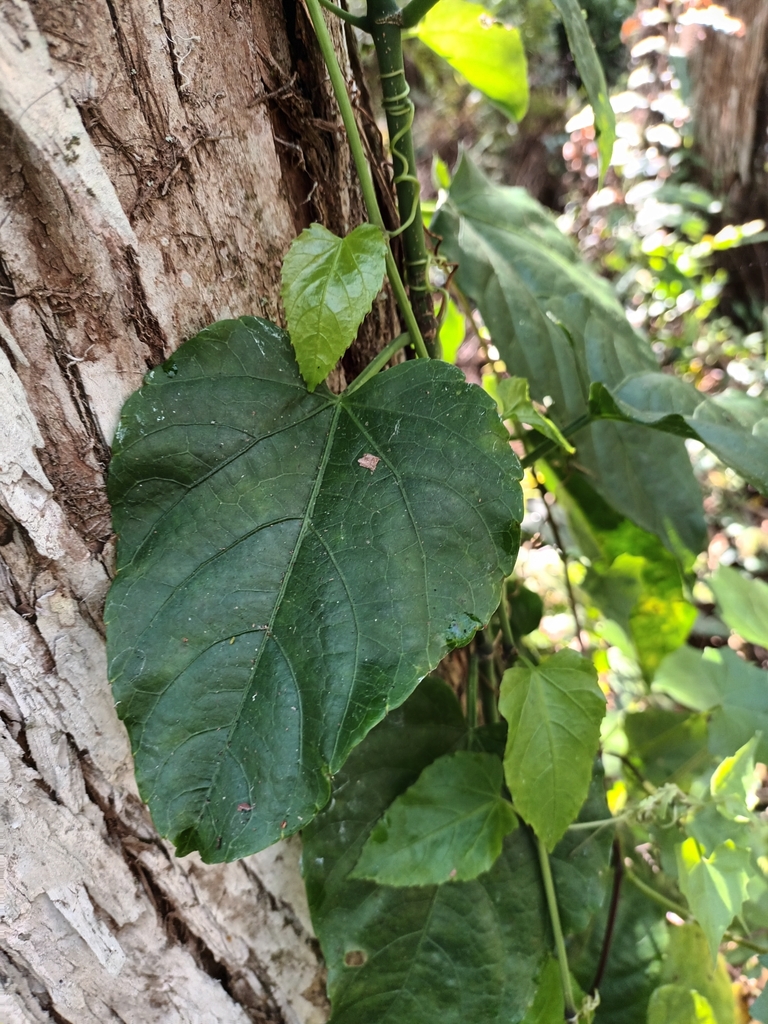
547 446
353 19
363 170
472 692
384 20
414 11
379 362
557 929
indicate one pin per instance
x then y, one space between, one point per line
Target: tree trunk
157 158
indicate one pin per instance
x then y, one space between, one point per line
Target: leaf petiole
571 1013
547 446
379 362
353 19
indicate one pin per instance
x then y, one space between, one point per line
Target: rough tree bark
156 159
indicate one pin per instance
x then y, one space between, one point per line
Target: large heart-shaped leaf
554 712
449 825
289 566
329 284
487 53
715 886
556 323
446 954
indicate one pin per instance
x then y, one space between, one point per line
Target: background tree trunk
156 159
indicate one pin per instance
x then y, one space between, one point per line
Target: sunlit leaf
592 75
448 826
329 284
265 613
687 962
513 397
553 711
452 332
743 604
486 52
733 781
715 886
673 1004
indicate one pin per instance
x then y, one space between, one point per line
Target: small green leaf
525 608
448 826
515 403
732 782
673 1004
265 614
452 332
714 886
329 284
554 711
743 604
592 75
487 53
548 1007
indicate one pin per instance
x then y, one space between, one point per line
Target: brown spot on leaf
355 958
369 461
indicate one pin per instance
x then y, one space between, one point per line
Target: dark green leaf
487 53
525 609
668 404
592 75
449 825
560 326
289 566
759 1009
743 604
553 711
715 886
721 682
445 954
329 284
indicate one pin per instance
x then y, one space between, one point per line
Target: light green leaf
265 614
592 75
548 1006
743 604
559 325
733 781
673 1004
714 886
452 332
554 712
670 405
721 682
447 954
514 400
487 53
688 963
448 826
329 284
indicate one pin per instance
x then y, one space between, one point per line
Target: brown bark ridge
157 157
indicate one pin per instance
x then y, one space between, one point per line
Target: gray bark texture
157 157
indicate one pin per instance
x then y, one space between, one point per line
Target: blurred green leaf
553 711
715 886
452 332
668 744
592 75
486 52
743 603
688 963
559 325
673 1004
329 284
719 681
448 825
525 608
514 400
733 780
